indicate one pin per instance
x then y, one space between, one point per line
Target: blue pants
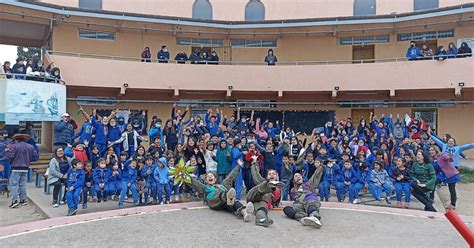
376 190
102 148
114 187
403 187
285 190
86 190
342 189
134 190
247 178
101 194
17 186
356 190
150 188
174 188
73 198
239 182
166 187
325 188
117 150
131 151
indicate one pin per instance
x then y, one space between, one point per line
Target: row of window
255 10
358 40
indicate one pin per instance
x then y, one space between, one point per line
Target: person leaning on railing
7 69
426 52
181 58
464 50
271 59
19 68
163 55
413 52
146 55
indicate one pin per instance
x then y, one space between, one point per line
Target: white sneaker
356 201
55 205
311 221
249 211
230 196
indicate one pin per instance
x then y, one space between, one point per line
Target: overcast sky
7 53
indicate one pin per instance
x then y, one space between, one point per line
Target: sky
7 53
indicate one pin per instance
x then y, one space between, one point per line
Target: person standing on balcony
271 59
426 52
19 68
213 59
464 50
413 52
7 69
452 50
194 57
146 55
181 58
163 55
63 131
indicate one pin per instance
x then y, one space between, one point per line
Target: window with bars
199 42
96 35
430 35
253 43
365 40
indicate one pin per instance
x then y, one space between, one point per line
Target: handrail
316 62
43 79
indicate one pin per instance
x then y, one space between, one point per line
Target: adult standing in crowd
20 154
63 131
413 52
271 59
146 55
163 55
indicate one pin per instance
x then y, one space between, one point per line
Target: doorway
366 52
359 114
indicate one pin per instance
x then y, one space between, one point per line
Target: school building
339 58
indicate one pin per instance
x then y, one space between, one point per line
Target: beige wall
234 10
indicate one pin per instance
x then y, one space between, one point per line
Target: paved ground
18 215
342 228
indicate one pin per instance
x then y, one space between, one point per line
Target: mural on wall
33 101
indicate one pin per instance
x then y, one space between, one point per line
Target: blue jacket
363 176
380 176
3 147
113 133
156 132
100 137
455 150
129 174
149 178
75 178
348 175
85 133
413 53
236 155
332 174
101 175
161 175
272 131
214 129
63 132
163 56
116 178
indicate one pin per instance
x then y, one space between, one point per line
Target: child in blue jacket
87 190
363 179
347 181
161 178
101 179
330 177
379 180
75 182
129 176
115 181
150 182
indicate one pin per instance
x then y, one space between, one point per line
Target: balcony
389 75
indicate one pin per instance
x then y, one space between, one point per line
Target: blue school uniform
350 176
115 182
101 176
330 177
379 180
150 182
129 176
363 178
162 179
75 178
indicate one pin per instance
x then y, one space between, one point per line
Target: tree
29 52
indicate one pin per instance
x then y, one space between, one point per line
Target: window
363 40
425 4
90 4
199 42
254 11
253 43
423 36
202 9
96 35
364 7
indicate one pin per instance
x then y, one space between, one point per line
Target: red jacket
81 155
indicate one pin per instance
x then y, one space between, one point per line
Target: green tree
28 52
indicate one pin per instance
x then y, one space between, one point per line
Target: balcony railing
279 63
45 79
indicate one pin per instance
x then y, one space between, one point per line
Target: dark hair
100 160
74 162
55 152
426 157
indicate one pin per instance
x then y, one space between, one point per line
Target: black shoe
264 222
15 204
74 211
105 199
99 200
23 202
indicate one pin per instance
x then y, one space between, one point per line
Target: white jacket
124 140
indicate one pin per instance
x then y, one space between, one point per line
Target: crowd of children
376 157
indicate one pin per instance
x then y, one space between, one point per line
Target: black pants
56 188
421 195
452 192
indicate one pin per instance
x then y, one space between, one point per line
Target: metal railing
36 78
315 62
